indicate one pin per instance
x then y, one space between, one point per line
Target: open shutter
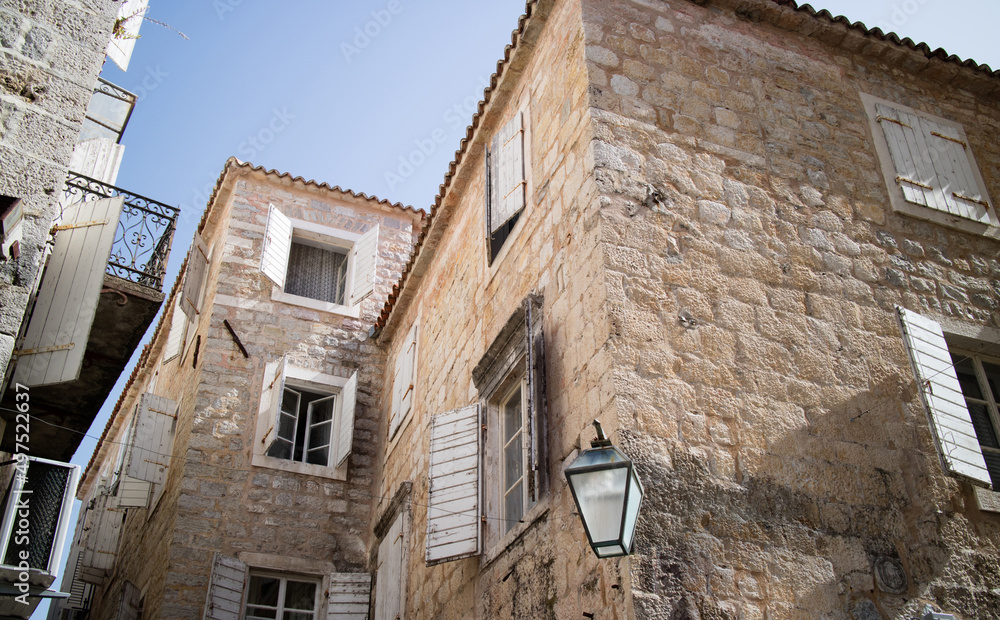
453 530
364 256
507 161
120 46
149 457
130 606
103 538
133 493
389 573
277 246
404 378
59 328
225 588
97 158
270 398
535 362
350 595
194 279
344 438
941 393
178 329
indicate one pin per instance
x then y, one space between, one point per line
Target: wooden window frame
283 578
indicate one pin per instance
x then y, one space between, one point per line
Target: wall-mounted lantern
608 495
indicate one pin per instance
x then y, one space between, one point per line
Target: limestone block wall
462 303
50 56
753 263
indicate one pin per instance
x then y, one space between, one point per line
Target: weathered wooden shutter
389 573
453 511
97 158
507 172
277 246
403 381
364 257
149 456
57 334
350 596
78 588
941 393
535 374
130 606
225 588
914 170
178 328
194 279
270 398
133 493
120 47
344 438
949 154
103 539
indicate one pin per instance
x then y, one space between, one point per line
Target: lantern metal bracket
600 441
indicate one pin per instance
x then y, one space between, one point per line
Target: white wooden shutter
914 170
453 511
957 176
350 596
97 158
403 381
153 443
133 493
389 573
120 47
535 376
56 337
941 393
270 398
225 588
194 279
364 258
344 438
130 606
103 538
277 246
178 329
507 164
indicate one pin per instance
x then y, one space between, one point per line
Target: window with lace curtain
316 272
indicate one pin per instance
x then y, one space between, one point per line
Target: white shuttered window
194 278
506 182
225 588
389 573
403 381
350 596
153 441
940 390
453 512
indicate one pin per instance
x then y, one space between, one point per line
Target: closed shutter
277 246
194 279
130 606
225 588
950 156
364 256
941 393
270 399
120 47
57 334
133 493
507 172
535 375
344 439
153 443
389 574
453 525
350 596
403 381
97 158
914 170
178 329
103 538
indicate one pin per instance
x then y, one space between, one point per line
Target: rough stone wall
462 303
753 263
50 56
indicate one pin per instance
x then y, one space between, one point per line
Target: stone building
757 242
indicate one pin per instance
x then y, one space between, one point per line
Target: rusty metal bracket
79 225
236 338
58 347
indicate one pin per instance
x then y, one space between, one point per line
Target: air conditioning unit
36 515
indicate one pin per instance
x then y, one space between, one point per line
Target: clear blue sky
340 91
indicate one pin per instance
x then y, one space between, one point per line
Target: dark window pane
300 595
319 435
512 415
512 462
263 591
966 371
281 449
984 426
317 273
259 612
993 465
513 507
319 457
286 426
993 378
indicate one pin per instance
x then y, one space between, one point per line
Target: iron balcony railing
145 231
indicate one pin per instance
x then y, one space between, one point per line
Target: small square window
271 596
316 272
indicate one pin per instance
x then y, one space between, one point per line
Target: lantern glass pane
601 495
632 510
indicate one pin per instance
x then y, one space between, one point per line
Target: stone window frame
312 381
332 238
896 196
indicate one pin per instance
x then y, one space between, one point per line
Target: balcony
100 291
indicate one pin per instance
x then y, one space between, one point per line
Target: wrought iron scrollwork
145 230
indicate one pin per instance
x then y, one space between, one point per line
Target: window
285 598
505 184
317 266
390 573
929 167
306 420
500 436
960 392
403 381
